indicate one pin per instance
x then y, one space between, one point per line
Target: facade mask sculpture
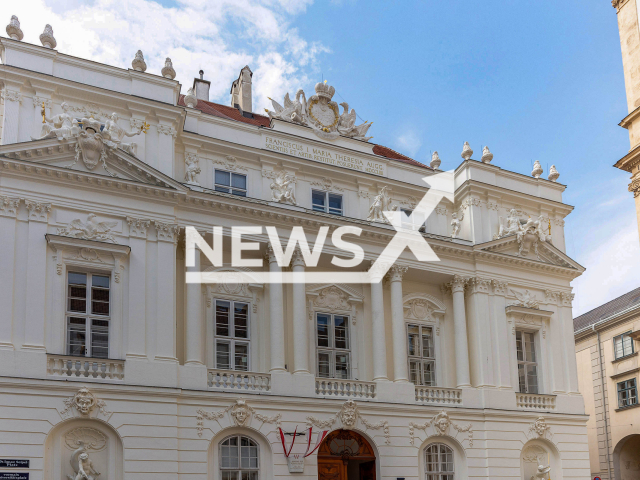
240 413
349 414
282 188
441 423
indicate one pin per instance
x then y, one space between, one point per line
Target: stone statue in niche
456 223
282 188
192 169
381 203
82 466
62 126
542 473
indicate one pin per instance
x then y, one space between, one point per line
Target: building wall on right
607 343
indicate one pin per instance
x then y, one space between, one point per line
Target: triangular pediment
545 253
117 164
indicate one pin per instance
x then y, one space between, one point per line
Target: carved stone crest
92 229
333 299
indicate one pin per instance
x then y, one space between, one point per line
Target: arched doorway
346 455
626 458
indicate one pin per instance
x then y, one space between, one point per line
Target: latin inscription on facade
324 155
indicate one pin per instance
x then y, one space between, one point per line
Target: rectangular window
88 309
527 364
422 361
326 202
623 345
234 183
415 222
332 340
231 343
627 393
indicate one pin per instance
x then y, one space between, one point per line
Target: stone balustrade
333 387
86 368
244 381
535 401
438 395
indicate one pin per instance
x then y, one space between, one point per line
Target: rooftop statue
321 114
60 126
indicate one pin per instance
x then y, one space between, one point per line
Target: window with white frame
623 345
228 182
88 310
627 393
527 363
326 202
332 340
412 221
422 356
239 458
231 332
439 464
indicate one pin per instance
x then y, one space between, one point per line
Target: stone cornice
61 243
630 160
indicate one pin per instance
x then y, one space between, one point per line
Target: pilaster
11 115
8 215
480 332
136 332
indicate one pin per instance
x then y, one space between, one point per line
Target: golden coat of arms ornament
321 114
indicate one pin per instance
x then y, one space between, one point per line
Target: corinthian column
400 369
276 320
377 329
460 332
300 335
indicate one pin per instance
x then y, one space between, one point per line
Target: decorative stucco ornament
192 168
62 126
241 413
526 299
553 173
512 225
348 415
91 146
138 62
456 223
381 203
46 37
84 402
528 233
321 114
537 169
168 71
282 188
13 29
487 156
539 429
114 133
435 160
466 151
190 99
92 229
442 423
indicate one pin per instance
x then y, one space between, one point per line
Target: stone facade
143 384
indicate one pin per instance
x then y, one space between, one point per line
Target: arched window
238 458
438 462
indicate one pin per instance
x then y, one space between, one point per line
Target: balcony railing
333 387
535 401
245 381
438 395
78 367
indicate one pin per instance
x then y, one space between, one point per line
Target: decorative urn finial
435 160
553 173
537 169
466 151
487 156
190 99
46 37
168 71
138 63
13 29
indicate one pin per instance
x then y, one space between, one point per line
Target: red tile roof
232 113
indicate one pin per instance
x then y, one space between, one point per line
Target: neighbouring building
628 26
607 354
110 362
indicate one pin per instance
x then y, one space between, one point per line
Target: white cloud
409 142
612 269
220 37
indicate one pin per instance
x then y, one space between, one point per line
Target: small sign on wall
14 476
11 463
295 463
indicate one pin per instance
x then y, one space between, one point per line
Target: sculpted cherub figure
456 223
281 189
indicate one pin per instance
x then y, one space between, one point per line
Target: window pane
229 453
222 189
414 372
239 181
341 331
530 351
335 203
99 301
627 345
342 365
77 278
222 318
242 357
532 379
240 193
222 355
99 342
521 378
617 343
413 332
77 336
323 329
318 200
240 320
519 346
429 373
100 281
223 178
427 343
324 364
229 475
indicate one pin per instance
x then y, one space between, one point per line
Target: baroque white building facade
111 363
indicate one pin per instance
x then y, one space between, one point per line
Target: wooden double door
346 455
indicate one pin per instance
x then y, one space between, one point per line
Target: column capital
297 259
499 287
397 272
458 283
378 271
478 285
11 95
138 227
269 255
9 206
167 232
37 211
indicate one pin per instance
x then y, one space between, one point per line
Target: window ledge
622 374
626 357
620 409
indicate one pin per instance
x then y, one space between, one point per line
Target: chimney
201 87
241 92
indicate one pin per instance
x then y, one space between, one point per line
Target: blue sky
533 80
